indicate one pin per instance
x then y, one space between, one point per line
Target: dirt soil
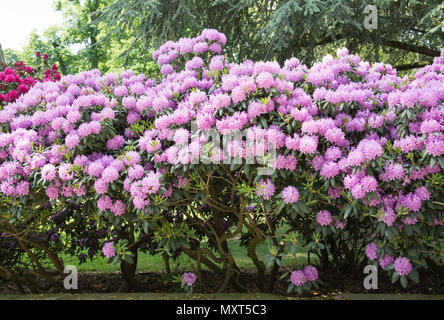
109 282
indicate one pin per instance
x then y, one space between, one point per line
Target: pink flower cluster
299 277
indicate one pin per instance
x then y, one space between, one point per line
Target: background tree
83 29
11 55
75 45
58 47
96 46
409 33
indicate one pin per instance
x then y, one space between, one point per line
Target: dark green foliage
408 34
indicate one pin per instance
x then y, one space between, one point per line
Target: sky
18 18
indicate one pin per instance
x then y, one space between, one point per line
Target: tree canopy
407 33
115 34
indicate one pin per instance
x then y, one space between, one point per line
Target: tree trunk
128 270
94 50
2 58
260 266
272 280
94 53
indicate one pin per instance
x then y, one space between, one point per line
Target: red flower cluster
16 80
52 74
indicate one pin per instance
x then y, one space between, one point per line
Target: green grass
149 263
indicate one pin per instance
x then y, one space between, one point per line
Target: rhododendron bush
26 245
343 158
16 79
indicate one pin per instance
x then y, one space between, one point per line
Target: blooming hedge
344 158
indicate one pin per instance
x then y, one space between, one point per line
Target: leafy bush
345 157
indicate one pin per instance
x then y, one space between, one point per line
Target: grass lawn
148 263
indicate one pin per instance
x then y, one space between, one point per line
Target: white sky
18 18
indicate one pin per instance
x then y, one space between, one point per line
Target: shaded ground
212 296
143 296
158 284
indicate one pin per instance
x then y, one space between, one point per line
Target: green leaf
270 261
303 207
284 275
389 267
404 282
441 162
432 162
247 169
264 123
281 207
347 211
267 205
395 277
